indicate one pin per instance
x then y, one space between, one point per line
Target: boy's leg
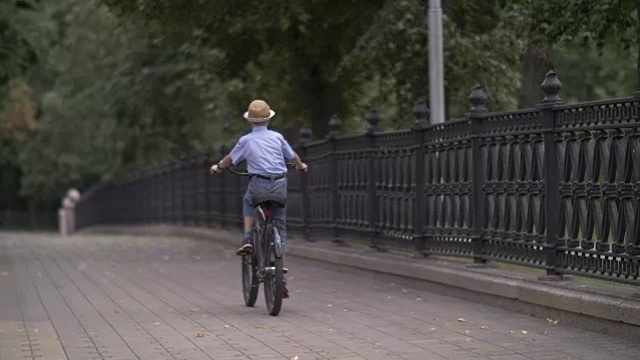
248 213
280 218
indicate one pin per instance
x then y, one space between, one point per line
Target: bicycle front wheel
274 277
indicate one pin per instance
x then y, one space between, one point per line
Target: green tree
591 23
285 51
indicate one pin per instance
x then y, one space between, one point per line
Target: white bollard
69 204
62 222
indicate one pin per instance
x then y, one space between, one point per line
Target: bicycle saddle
268 199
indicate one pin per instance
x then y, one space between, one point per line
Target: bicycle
265 264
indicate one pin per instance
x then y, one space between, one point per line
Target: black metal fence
555 187
22 220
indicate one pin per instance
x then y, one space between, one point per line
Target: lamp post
436 67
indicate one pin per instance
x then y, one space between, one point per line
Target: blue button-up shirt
265 151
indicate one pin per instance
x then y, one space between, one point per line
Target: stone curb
609 307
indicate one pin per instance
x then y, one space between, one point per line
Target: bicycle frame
263 225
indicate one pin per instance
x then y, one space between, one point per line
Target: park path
125 297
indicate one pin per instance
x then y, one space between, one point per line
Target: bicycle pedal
285 270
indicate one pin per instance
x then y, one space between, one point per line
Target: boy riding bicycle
266 153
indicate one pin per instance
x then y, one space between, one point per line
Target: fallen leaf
418 299
329 305
404 290
156 324
294 358
467 332
524 331
226 326
199 334
345 310
484 327
433 329
36 330
195 310
461 320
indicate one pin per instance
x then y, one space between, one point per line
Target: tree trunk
319 101
535 63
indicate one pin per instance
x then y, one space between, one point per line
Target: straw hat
258 112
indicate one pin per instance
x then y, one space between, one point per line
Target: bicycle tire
250 283
273 281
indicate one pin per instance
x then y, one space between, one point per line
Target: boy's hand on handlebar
302 167
216 169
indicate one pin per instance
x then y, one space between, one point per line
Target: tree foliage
589 23
96 89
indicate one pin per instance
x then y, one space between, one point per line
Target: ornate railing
555 187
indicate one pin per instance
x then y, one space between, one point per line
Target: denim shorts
259 187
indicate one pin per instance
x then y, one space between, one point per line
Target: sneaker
245 249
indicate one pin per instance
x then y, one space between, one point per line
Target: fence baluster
551 87
421 113
373 118
334 130
206 220
222 206
305 137
478 99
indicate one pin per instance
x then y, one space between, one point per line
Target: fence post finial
305 135
421 113
478 99
373 118
334 126
551 86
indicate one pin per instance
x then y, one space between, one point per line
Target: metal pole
436 67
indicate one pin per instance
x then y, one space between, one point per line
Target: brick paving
122 297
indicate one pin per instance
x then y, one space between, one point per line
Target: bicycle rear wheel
250 283
250 278
274 278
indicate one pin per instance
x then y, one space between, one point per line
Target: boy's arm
289 154
225 162
237 153
300 166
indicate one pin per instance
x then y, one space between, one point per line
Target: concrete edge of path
547 294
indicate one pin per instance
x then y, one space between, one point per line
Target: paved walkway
97 297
